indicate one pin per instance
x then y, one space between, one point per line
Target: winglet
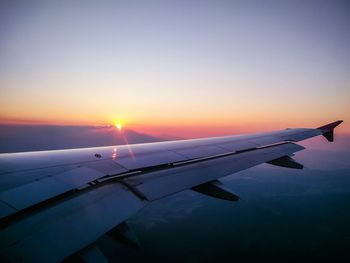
328 130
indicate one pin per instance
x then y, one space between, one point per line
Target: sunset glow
118 126
255 66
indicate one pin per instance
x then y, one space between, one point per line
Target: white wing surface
54 204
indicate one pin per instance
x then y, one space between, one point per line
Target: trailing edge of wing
158 184
73 224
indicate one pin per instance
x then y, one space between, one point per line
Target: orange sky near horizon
190 130
177 69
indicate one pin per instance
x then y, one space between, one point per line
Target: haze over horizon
181 68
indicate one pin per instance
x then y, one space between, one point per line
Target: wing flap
72 224
41 190
159 184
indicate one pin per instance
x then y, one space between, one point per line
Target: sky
182 68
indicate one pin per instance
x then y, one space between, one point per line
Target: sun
118 126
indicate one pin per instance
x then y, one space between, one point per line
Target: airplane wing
54 204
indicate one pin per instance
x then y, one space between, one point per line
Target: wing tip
328 130
331 125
